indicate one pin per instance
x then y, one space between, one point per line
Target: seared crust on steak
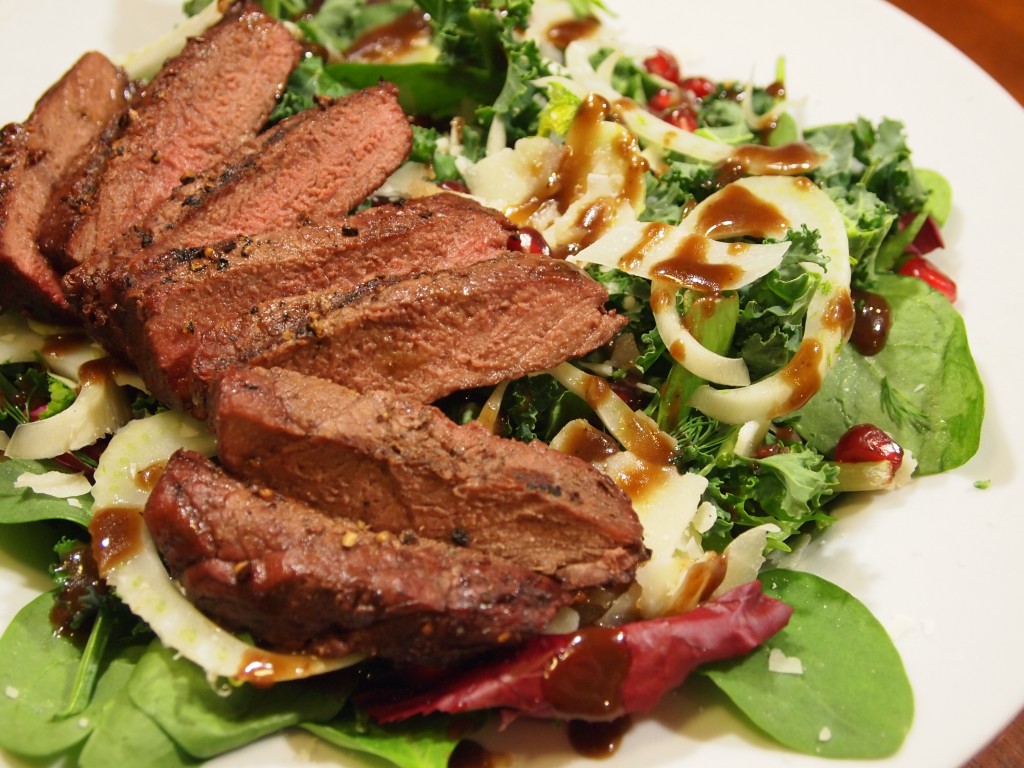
399 466
299 580
427 336
186 307
35 157
314 171
202 104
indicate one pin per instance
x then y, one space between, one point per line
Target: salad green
484 82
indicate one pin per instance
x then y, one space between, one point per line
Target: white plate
940 563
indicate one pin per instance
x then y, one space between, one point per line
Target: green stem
89 666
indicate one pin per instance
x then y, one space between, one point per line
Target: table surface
991 32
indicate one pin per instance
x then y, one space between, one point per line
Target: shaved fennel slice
829 319
19 343
123 477
143 584
100 408
653 249
66 358
636 431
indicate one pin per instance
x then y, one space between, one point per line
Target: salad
778 481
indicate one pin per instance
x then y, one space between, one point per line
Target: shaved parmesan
61 485
100 408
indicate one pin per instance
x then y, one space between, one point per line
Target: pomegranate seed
866 442
663 64
700 87
682 117
664 99
922 268
528 240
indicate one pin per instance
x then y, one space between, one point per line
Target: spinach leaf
424 744
38 669
922 388
206 722
853 698
22 505
125 735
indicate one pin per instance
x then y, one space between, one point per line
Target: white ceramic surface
939 563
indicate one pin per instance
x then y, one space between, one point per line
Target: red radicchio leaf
600 673
927 239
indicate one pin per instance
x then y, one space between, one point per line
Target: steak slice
299 580
214 95
314 171
35 156
186 307
398 466
427 336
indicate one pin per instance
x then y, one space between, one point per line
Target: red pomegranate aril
683 118
664 99
529 240
866 442
923 269
663 64
700 87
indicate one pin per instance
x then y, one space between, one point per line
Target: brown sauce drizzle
587 677
737 212
689 266
643 439
791 159
652 235
147 478
839 314
588 444
473 754
96 371
62 343
872 321
801 373
390 41
81 582
571 30
116 536
599 739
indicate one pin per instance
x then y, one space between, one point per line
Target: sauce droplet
872 320
587 677
598 739
116 536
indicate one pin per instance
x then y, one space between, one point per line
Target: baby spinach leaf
852 699
37 671
925 368
21 505
426 744
125 735
205 721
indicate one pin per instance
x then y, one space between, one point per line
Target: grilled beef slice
35 157
398 466
299 580
185 307
427 336
314 171
216 94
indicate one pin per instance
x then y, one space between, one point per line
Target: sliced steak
398 466
194 302
299 580
316 171
34 158
425 337
214 95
